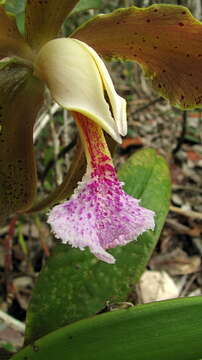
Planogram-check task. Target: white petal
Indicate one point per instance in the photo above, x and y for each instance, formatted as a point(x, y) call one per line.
point(74, 81)
point(117, 102)
point(122, 121)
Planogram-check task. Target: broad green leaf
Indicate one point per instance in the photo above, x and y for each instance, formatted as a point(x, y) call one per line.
point(21, 96)
point(146, 177)
point(44, 19)
point(73, 284)
point(164, 39)
point(84, 5)
point(11, 41)
point(66, 188)
point(167, 330)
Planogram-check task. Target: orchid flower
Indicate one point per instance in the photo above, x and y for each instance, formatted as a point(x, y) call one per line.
point(99, 215)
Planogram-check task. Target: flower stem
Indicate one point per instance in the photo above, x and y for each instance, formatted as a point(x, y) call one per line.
point(92, 137)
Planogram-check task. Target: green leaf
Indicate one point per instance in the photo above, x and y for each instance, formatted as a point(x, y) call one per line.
point(21, 96)
point(84, 5)
point(162, 331)
point(73, 284)
point(146, 177)
point(20, 22)
point(164, 39)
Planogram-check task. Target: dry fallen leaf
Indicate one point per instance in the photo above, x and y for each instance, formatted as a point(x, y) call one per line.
point(156, 286)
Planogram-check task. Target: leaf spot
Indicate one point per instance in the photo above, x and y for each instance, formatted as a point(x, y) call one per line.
point(34, 347)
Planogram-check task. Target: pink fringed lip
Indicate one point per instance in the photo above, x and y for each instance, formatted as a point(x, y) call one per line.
point(100, 215)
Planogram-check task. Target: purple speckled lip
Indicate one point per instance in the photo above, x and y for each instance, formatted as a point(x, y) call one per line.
point(99, 215)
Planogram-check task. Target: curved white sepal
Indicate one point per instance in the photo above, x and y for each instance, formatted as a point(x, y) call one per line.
point(118, 103)
point(74, 80)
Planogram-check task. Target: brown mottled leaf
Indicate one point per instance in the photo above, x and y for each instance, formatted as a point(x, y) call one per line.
point(21, 96)
point(164, 39)
point(11, 41)
point(44, 19)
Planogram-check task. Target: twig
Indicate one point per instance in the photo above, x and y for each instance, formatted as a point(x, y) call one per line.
point(126, 3)
point(144, 107)
point(43, 120)
point(62, 152)
point(183, 133)
point(42, 237)
point(3, 230)
point(188, 285)
point(8, 242)
point(187, 213)
point(66, 131)
point(67, 135)
point(186, 188)
point(8, 246)
point(13, 323)
point(182, 229)
point(56, 148)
